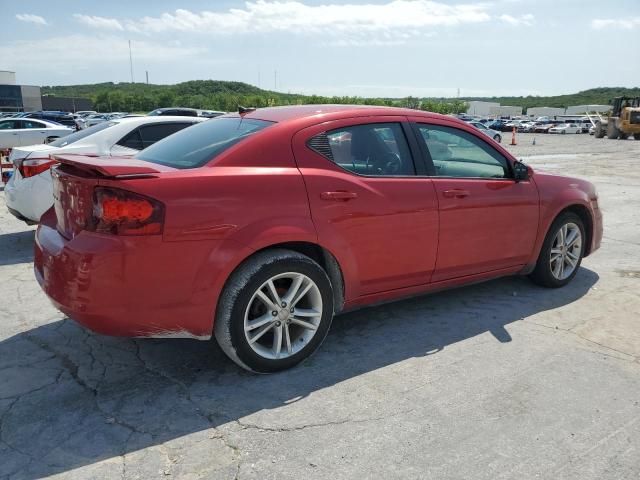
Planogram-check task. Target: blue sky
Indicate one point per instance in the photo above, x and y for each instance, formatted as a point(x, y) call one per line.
point(361, 47)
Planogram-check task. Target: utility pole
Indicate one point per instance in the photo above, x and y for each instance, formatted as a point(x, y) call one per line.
point(147, 72)
point(130, 61)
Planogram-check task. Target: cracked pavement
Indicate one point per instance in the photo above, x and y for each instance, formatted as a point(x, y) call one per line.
point(494, 381)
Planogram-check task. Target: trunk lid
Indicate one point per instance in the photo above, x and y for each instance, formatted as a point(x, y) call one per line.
point(75, 179)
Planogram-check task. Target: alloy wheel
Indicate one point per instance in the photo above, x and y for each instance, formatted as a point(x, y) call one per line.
point(283, 315)
point(565, 251)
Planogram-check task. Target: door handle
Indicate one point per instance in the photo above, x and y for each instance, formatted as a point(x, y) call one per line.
point(338, 195)
point(455, 193)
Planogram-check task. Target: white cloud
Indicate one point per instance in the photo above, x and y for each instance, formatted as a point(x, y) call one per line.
point(390, 23)
point(625, 23)
point(29, 18)
point(99, 22)
point(524, 20)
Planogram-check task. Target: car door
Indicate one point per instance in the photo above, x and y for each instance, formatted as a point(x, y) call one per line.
point(488, 221)
point(10, 133)
point(371, 207)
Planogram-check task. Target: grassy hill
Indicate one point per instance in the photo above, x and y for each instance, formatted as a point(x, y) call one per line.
point(223, 95)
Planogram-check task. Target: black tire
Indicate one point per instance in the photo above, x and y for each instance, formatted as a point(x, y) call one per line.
point(497, 138)
point(542, 274)
point(612, 131)
point(623, 136)
point(636, 136)
point(599, 131)
point(240, 288)
point(51, 139)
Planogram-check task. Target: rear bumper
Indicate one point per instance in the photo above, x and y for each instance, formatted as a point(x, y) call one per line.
point(29, 198)
point(133, 287)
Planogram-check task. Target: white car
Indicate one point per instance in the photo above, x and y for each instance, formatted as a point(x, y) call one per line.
point(487, 131)
point(566, 128)
point(29, 192)
point(16, 132)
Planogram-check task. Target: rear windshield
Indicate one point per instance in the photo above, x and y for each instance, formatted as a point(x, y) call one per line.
point(197, 145)
point(79, 135)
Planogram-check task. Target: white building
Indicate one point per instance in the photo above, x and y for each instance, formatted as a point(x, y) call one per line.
point(551, 112)
point(481, 109)
point(505, 111)
point(582, 109)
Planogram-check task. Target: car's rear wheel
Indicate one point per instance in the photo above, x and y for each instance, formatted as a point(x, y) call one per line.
point(275, 311)
point(561, 252)
point(51, 139)
point(497, 138)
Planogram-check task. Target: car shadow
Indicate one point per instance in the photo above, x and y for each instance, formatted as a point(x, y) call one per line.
point(70, 398)
point(16, 247)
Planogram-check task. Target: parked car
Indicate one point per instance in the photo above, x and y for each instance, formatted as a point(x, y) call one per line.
point(258, 228)
point(185, 112)
point(93, 119)
point(16, 132)
point(566, 128)
point(211, 113)
point(497, 125)
point(29, 191)
point(62, 118)
point(543, 127)
point(487, 131)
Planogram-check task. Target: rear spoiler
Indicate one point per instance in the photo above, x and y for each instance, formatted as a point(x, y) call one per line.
point(111, 167)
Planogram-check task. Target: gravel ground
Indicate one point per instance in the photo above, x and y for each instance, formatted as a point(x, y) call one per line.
point(495, 381)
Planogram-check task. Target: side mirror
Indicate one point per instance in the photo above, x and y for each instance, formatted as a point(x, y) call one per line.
point(521, 171)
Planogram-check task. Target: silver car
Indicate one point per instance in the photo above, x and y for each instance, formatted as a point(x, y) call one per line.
point(487, 131)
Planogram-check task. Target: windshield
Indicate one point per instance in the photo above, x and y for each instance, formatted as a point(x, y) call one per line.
point(196, 145)
point(74, 137)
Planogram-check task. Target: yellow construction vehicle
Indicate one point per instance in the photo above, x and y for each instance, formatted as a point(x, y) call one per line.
point(623, 119)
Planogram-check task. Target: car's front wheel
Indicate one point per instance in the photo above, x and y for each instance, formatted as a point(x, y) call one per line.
point(561, 252)
point(497, 138)
point(275, 311)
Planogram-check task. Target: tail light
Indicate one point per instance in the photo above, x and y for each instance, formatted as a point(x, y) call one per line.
point(119, 212)
point(30, 167)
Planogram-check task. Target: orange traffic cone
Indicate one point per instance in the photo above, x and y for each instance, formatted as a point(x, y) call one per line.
point(513, 136)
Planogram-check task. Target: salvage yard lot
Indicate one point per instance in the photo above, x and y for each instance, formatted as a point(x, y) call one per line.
point(498, 380)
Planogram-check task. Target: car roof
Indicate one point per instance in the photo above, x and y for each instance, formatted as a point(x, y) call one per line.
point(331, 112)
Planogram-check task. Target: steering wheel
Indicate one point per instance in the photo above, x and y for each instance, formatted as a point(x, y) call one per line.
point(389, 164)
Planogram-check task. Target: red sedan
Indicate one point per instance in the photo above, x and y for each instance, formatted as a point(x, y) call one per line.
point(258, 227)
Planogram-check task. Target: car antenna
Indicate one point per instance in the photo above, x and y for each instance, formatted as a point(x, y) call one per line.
point(244, 110)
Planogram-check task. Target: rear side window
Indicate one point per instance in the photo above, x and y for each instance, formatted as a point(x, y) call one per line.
point(195, 146)
point(153, 133)
point(132, 140)
point(79, 135)
point(375, 149)
point(32, 124)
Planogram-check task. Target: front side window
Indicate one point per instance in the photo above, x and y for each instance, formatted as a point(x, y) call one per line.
point(9, 125)
point(195, 146)
point(377, 149)
point(456, 153)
